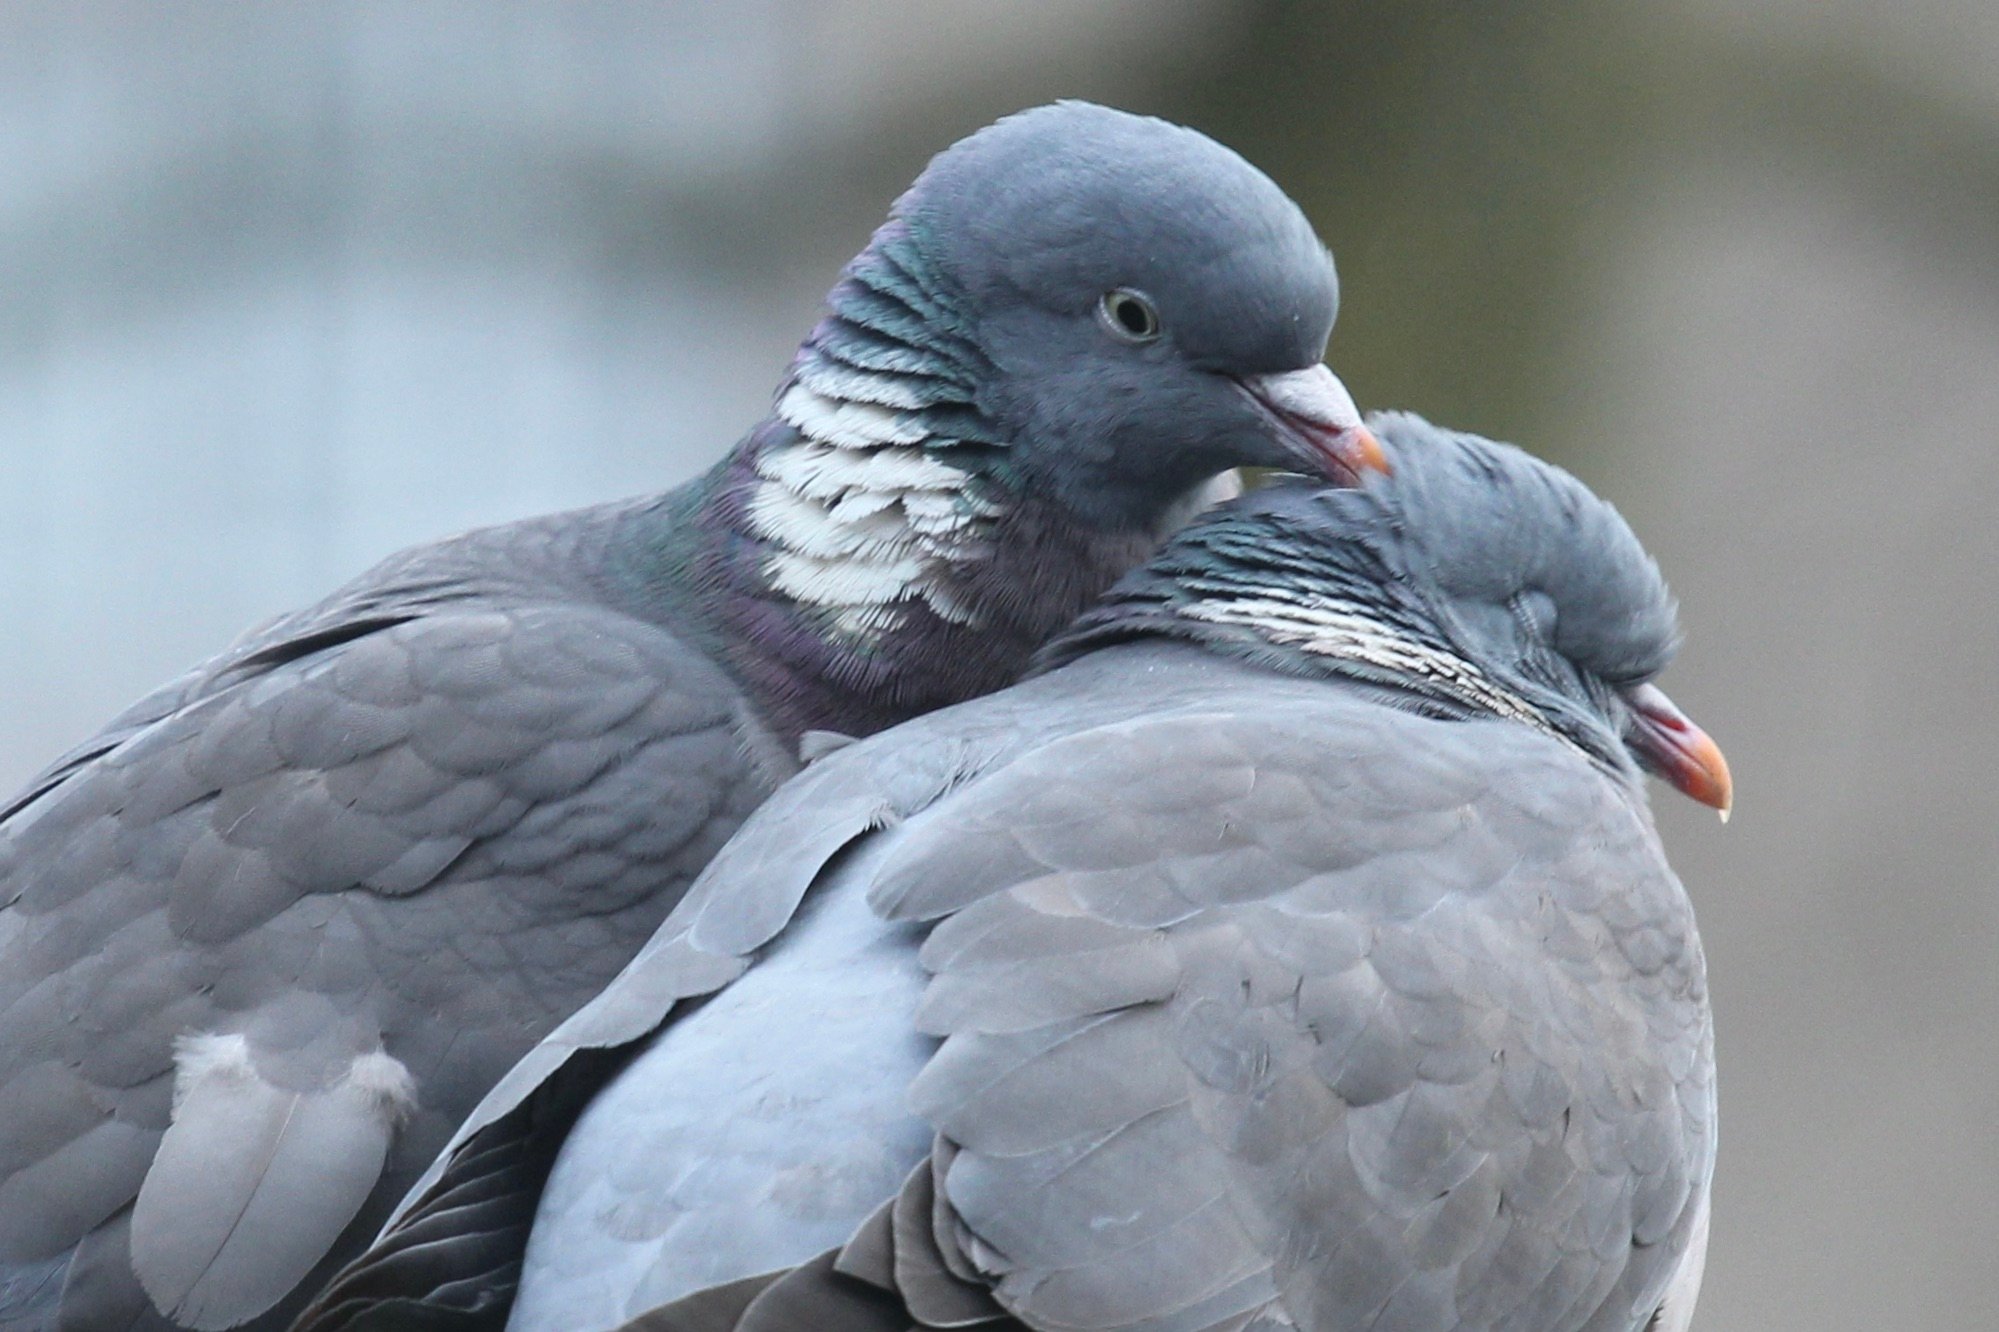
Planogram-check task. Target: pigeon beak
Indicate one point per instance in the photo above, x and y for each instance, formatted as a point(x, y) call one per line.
point(1668, 745)
point(1315, 415)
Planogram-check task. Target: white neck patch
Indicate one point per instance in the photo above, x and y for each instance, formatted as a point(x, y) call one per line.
point(863, 518)
point(1329, 627)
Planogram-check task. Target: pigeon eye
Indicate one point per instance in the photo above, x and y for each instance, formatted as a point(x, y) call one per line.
point(1128, 315)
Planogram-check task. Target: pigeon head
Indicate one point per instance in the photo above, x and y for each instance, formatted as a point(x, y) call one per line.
point(1476, 580)
point(1077, 308)
point(1071, 323)
point(1149, 307)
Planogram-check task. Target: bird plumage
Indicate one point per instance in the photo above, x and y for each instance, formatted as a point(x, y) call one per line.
point(1233, 972)
point(267, 937)
point(960, 428)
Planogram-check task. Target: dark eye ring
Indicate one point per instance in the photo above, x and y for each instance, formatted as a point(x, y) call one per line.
point(1128, 315)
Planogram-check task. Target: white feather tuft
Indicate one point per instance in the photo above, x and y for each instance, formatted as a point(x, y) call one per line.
point(224, 1057)
point(843, 383)
point(385, 1081)
point(847, 425)
point(202, 1056)
point(829, 473)
point(810, 527)
point(838, 582)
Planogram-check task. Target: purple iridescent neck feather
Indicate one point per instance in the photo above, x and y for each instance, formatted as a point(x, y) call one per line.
point(863, 555)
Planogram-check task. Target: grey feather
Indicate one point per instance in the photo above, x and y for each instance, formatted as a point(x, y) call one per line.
point(288, 855)
point(1257, 998)
point(251, 1185)
point(425, 819)
point(1141, 1167)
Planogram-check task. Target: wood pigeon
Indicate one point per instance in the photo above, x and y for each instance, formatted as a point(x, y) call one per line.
point(267, 937)
point(1294, 951)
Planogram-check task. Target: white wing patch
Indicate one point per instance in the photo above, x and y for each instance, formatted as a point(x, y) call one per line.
point(865, 519)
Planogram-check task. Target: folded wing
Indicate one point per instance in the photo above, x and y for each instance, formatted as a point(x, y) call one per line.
point(271, 938)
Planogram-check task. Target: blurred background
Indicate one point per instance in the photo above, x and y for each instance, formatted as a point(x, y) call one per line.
point(284, 287)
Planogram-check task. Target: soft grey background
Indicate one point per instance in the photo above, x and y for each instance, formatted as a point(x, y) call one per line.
point(283, 287)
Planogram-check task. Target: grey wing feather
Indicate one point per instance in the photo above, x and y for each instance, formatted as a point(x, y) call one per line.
point(891, 1277)
point(813, 1297)
point(1265, 1016)
point(1261, 1007)
point(474, 816)
point(453, 1253)
point(438, 1254)
point(678, 962)
point(1382, 1105)
point(250, 1186)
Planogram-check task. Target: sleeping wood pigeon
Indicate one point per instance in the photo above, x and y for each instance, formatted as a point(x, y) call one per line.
point(1295, 951)
point(267, 937)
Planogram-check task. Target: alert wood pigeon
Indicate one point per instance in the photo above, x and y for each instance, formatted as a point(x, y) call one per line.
point(268, 937)
point(1295, 951)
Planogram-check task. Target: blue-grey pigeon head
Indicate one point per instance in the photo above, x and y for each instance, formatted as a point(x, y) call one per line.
point(1123, 306)
point(1474, 580)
